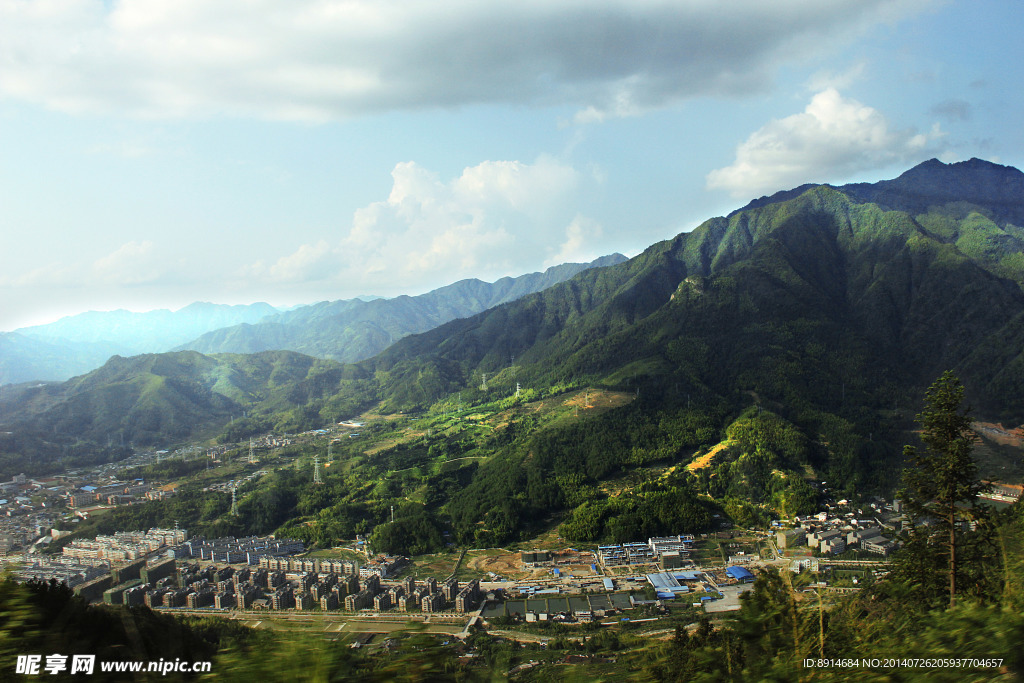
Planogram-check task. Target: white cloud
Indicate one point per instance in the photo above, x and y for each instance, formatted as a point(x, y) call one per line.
point(310, 262)
point(133, 263)
point(325, 59)
point(580, 236)
point(496, 218)
point(830, 140)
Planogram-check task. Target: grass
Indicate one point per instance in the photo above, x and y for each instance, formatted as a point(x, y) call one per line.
point(337, 553)
point(437, 565)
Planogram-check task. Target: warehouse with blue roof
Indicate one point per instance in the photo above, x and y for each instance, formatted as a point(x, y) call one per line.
point(740, 574)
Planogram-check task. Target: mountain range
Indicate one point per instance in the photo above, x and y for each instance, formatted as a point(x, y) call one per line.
point(353, 330)
point(347, 330)
point(831, 306)
point(77, 344)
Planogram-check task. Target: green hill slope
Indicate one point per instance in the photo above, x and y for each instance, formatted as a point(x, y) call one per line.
point(791, 299)
point(160, 399)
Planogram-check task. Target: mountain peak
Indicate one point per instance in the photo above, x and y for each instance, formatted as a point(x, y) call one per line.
point(933, 171)
point(992, 186)
point(986, 184)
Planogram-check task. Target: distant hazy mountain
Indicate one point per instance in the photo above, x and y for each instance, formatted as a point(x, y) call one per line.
point(150, 331)
point(354, 329)
point(24, 359)
point(76, 344)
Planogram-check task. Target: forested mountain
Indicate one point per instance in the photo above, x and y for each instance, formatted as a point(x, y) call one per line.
point(813, 298)
point(352, 330)
point(820, 307)
point(24, 358)
point(156, 399)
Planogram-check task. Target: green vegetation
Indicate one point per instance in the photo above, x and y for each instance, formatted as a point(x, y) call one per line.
point(790, 338)
point(721, 377)
point(941, 487)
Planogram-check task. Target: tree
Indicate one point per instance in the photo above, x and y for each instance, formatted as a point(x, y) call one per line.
point(941, 486)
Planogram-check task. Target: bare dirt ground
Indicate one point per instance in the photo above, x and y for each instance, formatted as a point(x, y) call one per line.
point(1001, 435)
point(599, 399)
point(705, 460)
point(505, 564)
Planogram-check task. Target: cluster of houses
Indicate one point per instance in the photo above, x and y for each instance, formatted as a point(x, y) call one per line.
point(231, 550)
point(123, 545)
point(145, 568)
point(834, 531)
point(162, 584)
point(113, 493)
point(30, 513)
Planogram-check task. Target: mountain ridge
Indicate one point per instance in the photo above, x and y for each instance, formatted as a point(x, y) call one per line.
point(77, 344)
point(351, 330)
point(831, 311)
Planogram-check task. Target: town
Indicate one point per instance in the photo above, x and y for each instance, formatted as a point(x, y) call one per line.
point(843, 546)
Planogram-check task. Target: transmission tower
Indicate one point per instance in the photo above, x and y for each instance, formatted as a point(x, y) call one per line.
point(252, 453)
point(234, 499)
point(517, 389)
point(316, 470)
point(483, 384)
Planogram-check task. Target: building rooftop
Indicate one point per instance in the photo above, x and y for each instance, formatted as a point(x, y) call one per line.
point(738, 573)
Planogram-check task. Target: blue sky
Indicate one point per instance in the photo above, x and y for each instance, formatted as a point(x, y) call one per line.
point(159, 152)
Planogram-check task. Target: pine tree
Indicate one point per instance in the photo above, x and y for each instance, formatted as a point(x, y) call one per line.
point(941, 485)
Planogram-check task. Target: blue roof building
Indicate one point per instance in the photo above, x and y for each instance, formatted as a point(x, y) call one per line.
point(740, 574)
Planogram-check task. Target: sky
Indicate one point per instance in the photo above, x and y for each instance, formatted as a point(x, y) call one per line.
point(154, 153)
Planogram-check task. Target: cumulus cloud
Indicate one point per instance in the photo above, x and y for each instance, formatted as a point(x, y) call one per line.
point(580, 236)
point(833, 138)
point(325, 59)
point(496, 218)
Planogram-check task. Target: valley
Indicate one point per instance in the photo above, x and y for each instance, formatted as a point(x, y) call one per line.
point(753, 389)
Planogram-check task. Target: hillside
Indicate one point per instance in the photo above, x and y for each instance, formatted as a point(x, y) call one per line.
point(352, 330)
point(161, 399)
point(819, 299)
